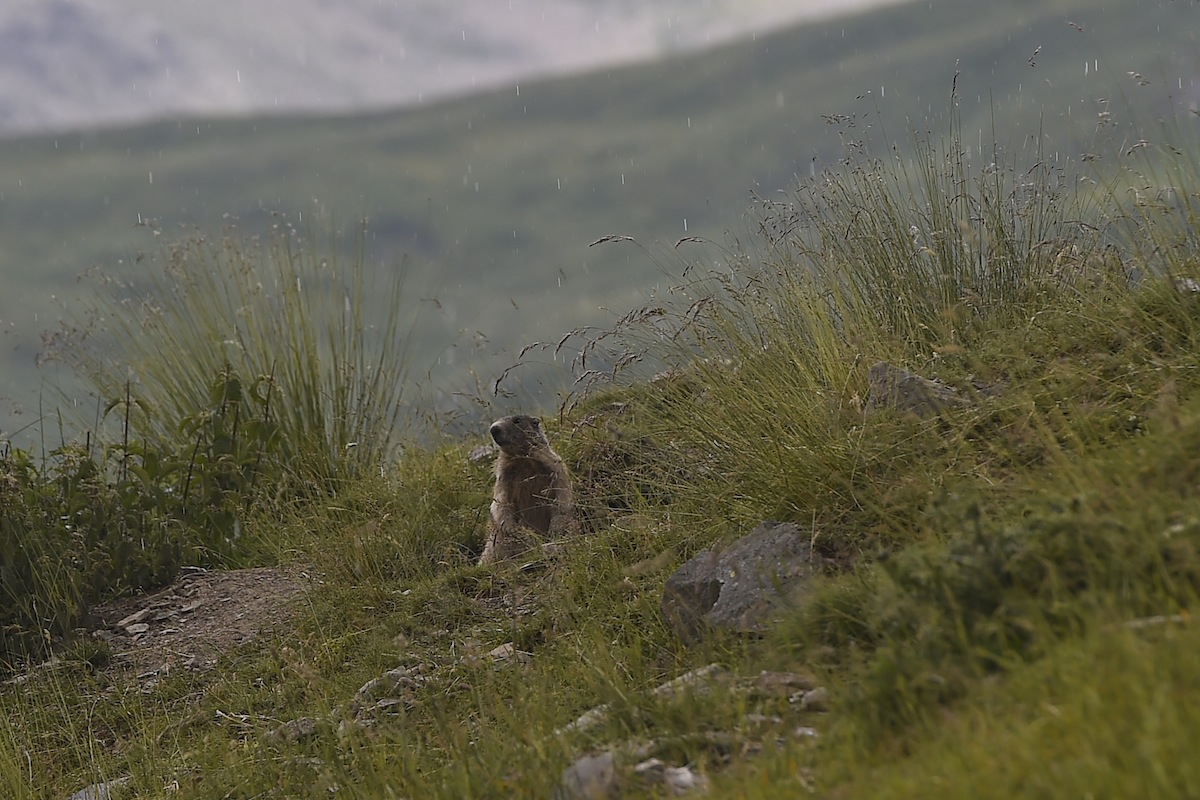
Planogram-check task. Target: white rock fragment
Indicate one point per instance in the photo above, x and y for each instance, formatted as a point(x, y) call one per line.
point(698, 680)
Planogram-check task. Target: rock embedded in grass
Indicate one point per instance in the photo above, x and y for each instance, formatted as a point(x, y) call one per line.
point(906, 392)
point(742, 587)
point(589, 778)
point(99, 791)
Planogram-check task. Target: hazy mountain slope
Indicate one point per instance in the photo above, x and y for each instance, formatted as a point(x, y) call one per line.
point(82, 63)
point(496, 197)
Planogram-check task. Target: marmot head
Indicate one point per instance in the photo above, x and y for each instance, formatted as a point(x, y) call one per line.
point(518, 435)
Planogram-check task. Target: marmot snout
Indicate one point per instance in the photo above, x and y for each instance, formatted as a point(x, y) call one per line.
point(517, 435)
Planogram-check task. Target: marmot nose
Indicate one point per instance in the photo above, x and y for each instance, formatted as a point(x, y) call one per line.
point(495, 432)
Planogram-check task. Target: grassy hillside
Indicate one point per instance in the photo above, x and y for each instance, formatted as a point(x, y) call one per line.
point(1006, 606)
point(494, 199)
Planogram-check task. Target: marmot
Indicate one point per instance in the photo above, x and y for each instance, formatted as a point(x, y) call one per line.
point(532, 493)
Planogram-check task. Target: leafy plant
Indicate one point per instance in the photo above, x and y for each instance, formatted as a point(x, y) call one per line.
point(92, 521)
point(243, 372)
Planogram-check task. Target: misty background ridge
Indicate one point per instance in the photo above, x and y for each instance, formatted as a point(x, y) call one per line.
point(83, 63)
point(491, 199)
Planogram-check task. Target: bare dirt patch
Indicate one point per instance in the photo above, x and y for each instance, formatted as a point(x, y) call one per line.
point(198, 617)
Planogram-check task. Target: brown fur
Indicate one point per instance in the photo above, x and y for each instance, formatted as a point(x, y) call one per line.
point(533, 493)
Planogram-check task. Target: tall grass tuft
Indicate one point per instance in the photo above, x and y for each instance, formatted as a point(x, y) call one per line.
point(278, 331)
point(914, 260)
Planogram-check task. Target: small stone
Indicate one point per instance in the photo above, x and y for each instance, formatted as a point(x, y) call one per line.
point(815, 700)
point(676, 780)
point(907, 392)
point(589, 778)
point(698, 680)
point(508, 652)
point(379, 686)
point(502, 653)
point(586, 721)
point(682, 780)
point(99, 791)
point(650, 768)
point(133, 618)
point(139, 628)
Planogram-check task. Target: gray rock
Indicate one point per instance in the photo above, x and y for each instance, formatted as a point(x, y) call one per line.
point(742, 587)
point(591, 718)
point(99, 791)
point(589, 778)
point(399, 678)
point(782, 682)
point(815, 699)
point(698, 681)
point(503, 652)
point(904, 391)
point(134, 618)
point(676, 781)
